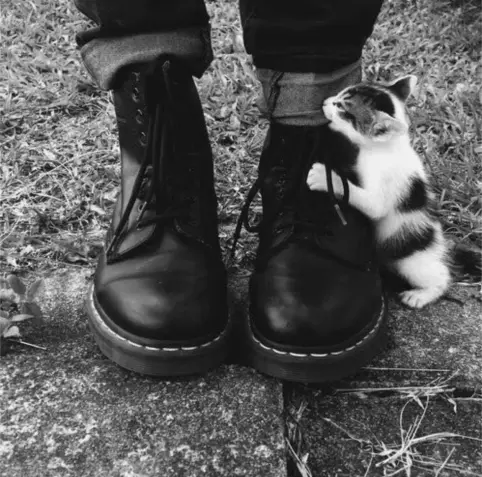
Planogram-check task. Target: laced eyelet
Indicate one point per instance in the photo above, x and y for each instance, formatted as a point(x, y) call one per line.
point(139, 117)
point(136, 94)
point(143, 139)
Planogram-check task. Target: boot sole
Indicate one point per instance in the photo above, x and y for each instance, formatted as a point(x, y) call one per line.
point(317, 367)
point(153, 361)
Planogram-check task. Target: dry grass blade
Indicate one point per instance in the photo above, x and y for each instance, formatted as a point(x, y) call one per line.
point(437, 387)
point(444, 463)
point(348, 433)
point(294, 438)
point(301, 462)
point(404, 456)
point(419, 370)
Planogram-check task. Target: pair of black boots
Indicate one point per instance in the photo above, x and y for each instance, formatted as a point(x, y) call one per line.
point(158, 305)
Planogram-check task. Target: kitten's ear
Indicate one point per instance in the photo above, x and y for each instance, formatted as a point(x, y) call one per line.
point(403, 87)
point(387, 126)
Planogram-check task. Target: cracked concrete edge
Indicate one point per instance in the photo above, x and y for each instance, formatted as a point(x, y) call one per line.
point(70, 360)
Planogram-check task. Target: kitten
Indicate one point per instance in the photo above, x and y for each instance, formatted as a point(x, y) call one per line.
point(388, 183)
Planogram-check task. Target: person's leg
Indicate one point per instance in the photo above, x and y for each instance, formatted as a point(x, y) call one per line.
point(128, 32)
point(317, 306)
point(306, 52)
point(157, 304)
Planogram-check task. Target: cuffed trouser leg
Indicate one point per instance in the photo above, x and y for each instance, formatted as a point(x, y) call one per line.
point(138, 31)
point(305, 51)
point(297, 98)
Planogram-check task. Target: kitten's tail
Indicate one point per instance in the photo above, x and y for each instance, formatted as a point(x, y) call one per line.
point(466, 260)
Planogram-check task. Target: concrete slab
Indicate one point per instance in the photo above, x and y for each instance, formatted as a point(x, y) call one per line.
point(344, 435)
point(69, 411)
point(444, 336)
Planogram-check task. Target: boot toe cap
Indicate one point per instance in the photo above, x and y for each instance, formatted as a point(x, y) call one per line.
point(187, 309)
point(314, 302)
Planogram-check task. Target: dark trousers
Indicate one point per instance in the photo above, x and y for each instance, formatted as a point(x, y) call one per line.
point(302, 36)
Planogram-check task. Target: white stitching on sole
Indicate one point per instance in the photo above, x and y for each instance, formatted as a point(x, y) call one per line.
point(137, 345)
point(325, 355)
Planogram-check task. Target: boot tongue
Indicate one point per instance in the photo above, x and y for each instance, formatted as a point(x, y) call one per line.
point(285, 203)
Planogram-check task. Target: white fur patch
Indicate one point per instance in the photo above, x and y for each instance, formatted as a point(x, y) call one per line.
point(427, 271)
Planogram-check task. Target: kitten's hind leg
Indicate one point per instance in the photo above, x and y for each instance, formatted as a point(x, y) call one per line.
point(428, 273)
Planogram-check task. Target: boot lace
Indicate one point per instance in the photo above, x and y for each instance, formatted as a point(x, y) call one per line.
point(159, 152)
point(291, 219)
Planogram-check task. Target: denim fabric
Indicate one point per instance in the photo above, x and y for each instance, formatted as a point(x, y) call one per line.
point(297, 98)
point(105, 57)
point(145, 15)
point(306, 36)
point(138, 31)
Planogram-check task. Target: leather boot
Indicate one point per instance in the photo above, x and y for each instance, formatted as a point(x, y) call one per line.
point(158, 302)
point(317, 309)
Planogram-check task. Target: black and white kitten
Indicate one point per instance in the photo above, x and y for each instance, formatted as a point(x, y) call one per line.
point(392, 187)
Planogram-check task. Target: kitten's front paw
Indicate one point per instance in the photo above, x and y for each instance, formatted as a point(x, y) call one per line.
point(316, 179)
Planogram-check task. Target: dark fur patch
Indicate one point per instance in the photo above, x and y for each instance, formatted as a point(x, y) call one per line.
point(375, 97)
point(467, 260)
point(342, 155)
point(416, 196)
point(405, 244)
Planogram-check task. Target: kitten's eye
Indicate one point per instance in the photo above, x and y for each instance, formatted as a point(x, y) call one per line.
point(348, 116)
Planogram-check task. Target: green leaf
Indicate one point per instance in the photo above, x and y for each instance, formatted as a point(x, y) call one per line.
point(12, 332)
point(16, 284)
point(4, 325)
point(21, 317)
point(30, 308)
point(34, 289)
point(3, 314)
point(9, 295)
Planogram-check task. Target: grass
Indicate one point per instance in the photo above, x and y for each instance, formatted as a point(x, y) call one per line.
point(58, 146)
point(412, 453)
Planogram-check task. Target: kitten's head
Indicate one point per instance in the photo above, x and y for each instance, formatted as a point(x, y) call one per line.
point(371, 112)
